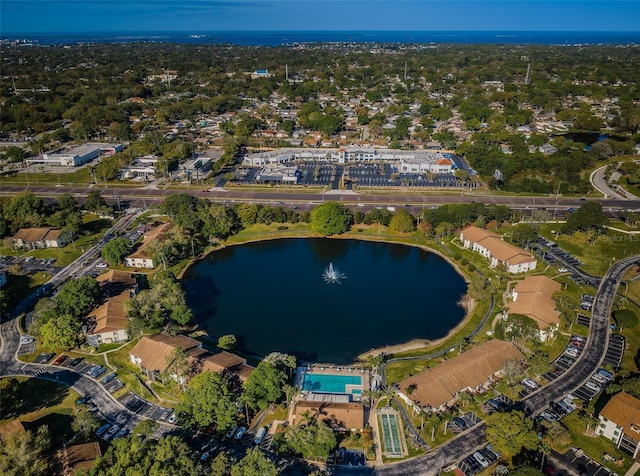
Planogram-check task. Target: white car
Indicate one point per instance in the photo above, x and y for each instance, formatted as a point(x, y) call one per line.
point(102, 264)
point(481, 459)
point(26, 340)
point(592, 386)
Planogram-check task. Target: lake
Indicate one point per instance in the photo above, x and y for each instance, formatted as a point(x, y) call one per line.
point(271, 295)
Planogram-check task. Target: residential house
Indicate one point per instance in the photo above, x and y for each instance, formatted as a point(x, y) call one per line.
point(472, 371)
point(619, 421)
point(152, 355)
point(107, 323)
point(34, 238)
point(142, 258)
point(533, 297)
point(496, 250)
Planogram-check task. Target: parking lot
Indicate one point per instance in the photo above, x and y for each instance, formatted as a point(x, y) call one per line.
point(479, 460)
point(464, 422)
point(575, 461)
point(615, 351)
point(142, 407)
point(29, 264)
point(321, 172)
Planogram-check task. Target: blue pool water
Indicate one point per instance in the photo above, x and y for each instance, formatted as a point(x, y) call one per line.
point(329, 383)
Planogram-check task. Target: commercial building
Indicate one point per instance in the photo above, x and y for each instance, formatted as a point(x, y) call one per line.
point(472, 371)
point(278, 173)
point(619, 421)
point(408, 161)
point(496, 250)
point(77, 155)
point(34, 238)
point(533, 298)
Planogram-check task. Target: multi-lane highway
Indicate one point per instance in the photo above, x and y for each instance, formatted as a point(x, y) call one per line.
point(416, 200)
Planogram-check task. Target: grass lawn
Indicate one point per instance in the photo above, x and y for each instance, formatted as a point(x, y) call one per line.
point(598, 256)
point(279, 413)
point(79, 177)
point(36, 402)
point(128, 373)
point(595, 447)
point(20, 286)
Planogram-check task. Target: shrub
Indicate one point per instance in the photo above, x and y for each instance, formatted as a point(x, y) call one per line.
point(464, 262)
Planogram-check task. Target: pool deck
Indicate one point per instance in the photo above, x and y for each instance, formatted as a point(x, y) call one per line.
point(334, 370)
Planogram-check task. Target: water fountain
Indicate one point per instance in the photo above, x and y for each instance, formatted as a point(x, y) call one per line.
point(331, 275)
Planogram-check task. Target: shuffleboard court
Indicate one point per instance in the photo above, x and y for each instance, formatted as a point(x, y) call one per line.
point(390, 434)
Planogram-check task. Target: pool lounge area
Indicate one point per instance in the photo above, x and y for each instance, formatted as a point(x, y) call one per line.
point(348, 381)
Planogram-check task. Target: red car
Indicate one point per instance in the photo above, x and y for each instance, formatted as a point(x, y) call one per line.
point(59, 360)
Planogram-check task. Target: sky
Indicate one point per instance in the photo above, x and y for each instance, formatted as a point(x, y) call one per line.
point(84, 16)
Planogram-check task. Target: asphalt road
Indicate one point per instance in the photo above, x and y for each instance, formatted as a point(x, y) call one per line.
point(137, 196)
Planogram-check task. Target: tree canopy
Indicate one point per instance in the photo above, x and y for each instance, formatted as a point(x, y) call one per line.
point(330, 218)
point(511, 432)
point(315, 440)
point(207, 400)
point(25, 453)
point(265, 385)
point(116, 251)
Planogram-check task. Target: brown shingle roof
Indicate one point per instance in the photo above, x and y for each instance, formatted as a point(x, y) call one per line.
point(117, 276)
point(222, 361)
point(538, 284)
point(154, 350)
point(438, 385)
point(112, 315)
point(31, 235)
point(538, 307)
point(624, 410)
point(338, 415)
point(503, 251)
point(159, 233)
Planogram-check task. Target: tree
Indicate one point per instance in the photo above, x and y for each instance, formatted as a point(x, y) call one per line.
point(402, 221)
point(78, 296)
point(330, 218)
point(60, 332)
point(67, 215)
point(625, 318)
point(314, 440)
point(519, 327)
point(254, 463)
point(218, 221)
point(588, 217)
point(221, 465)
point(265, 385)
point(116, 251)
point(85, 423)
point(510, 432)
point(95, 202)
point(227, 342)
point(539, 363)
point(146, 427)
point(25, 453)
point(208, 400)
point(523, 235)
point(178, 364)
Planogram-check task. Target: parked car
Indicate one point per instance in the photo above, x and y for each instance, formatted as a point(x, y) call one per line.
point(481, 459)
point(460, 423)
point(231, 432)
point(75, 361)
point(548, 416)
point(111, 432)
point(240, 433)
point(122, 432)
point(102, 429)
point(530, 384)
point(605, 373)
point(109, 378)
point(593, 386)
point(260, 435)
point(59, 360)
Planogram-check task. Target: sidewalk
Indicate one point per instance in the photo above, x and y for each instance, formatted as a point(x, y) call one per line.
point(633, 470)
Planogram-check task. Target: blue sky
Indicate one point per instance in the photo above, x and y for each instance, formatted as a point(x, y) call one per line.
point(80, 16)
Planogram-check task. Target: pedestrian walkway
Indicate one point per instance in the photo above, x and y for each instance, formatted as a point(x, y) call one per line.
point(633, 470)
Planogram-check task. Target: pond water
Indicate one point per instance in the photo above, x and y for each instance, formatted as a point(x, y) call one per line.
point(272, 296)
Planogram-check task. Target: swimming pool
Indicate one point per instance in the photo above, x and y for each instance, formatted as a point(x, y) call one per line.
point(329, 383)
